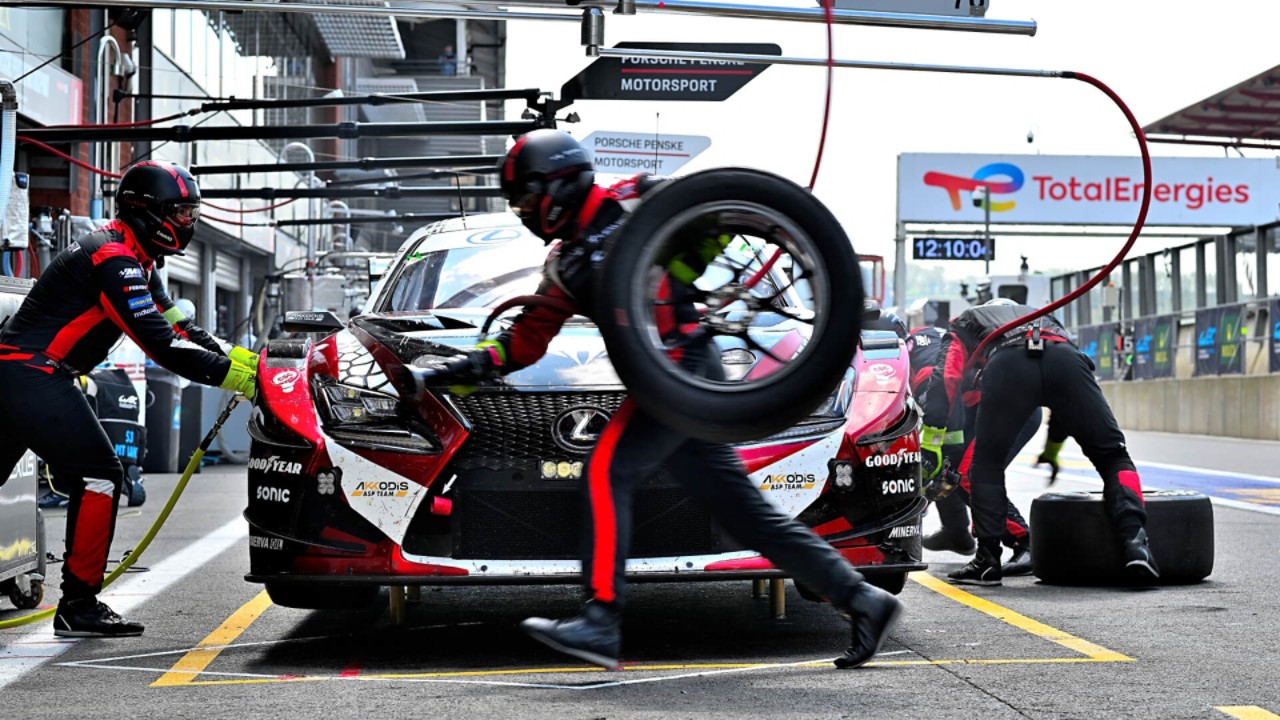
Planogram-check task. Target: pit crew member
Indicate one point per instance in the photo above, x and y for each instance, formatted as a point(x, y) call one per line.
point(100, 287)
point(1034, 365)
point(549, 182)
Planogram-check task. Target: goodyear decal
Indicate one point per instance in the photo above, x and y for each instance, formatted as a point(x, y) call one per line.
point(141, 301)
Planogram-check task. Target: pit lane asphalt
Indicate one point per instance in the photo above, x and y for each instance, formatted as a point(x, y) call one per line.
point(1023, 650)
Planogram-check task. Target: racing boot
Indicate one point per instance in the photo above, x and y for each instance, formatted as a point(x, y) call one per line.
point(89, 617)
point(1139, 563)
point(1019, 564)
point(872, 612)
point(594, 635)
point(983, 569)
point(957, 541)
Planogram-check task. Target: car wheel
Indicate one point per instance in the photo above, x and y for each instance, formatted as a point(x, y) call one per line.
point(1074, 543)
point(791, 233)
point(320, 596)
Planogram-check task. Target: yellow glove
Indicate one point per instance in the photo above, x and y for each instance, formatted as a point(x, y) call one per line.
point(931, 440)
point(241, 379)
point(244, 356)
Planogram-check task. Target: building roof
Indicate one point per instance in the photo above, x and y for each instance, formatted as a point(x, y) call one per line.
point(1247, 113)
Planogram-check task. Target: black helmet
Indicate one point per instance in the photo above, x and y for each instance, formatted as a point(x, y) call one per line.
point(546, 178)
point(160, 202)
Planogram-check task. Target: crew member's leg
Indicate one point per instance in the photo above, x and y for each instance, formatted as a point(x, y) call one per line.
point(1075, 399)
point(1010, 393)
point(713, 474)
point(58, 425)
point(631, 448)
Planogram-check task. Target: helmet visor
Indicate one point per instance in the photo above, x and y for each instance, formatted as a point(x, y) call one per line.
point(183, 214)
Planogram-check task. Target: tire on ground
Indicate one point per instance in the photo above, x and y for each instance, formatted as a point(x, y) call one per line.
point(1074, 543)
point(745, 412)
point(322, 596)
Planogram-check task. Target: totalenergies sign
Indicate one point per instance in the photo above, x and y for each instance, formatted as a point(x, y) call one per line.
point(1086, 190)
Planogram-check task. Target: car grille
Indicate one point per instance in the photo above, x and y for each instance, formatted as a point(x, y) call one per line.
point(547, 524)
point(504, 510)
point(512, 428)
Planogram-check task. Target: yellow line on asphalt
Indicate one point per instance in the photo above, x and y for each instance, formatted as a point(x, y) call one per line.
point(636, 668)
point(1248, 712)
point(196, 661)
point(1022, 622)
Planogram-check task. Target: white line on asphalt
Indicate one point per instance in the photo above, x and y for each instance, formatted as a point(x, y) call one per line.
point(1089, 477)
point(123, 597)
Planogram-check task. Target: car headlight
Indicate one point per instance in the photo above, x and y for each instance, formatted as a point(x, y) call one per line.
point(837, 405)
point(348, 405)
point(737, 363)
point(368, 419)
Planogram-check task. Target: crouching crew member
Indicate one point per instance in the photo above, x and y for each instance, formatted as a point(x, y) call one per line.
point(1035, 365)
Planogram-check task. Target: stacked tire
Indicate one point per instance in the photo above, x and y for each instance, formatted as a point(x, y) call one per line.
point(1074, 543)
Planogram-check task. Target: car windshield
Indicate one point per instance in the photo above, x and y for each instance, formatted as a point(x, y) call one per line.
point(468, 277)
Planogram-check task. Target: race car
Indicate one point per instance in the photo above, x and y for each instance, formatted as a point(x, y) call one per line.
point(355, 484)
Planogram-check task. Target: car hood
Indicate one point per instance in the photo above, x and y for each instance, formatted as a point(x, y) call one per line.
point(576, 358)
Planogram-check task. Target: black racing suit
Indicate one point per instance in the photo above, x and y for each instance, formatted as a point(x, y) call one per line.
point(925, 346)
point(634, 445)
point(100, 287)
point(1014, 381)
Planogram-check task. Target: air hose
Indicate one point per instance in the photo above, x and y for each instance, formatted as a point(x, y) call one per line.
point(142, 545)
point(1133, 236)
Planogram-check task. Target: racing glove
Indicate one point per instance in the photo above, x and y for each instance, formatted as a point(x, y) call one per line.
point(241, 379)
point(688, 266)
point(931, 440)
point(244, 356)
point(1050, 457)
point(460, 374)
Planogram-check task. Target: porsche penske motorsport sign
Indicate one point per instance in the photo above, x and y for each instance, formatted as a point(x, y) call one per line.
point(625, 152)
point(629, 78)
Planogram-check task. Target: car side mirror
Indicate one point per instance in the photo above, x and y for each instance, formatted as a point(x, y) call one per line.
point(311, 322)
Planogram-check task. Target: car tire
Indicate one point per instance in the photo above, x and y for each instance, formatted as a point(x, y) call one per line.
point(320, 596)
point(742, 412)
point(1073, 541)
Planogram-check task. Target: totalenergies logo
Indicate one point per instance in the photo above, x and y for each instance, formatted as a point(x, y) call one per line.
point(955, 184)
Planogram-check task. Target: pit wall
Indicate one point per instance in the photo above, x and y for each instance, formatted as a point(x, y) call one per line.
point(1242, 406)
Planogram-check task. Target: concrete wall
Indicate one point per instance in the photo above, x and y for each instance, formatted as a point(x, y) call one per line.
point(1243, 406)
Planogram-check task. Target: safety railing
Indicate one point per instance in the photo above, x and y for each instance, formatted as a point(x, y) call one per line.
point(1234, 339)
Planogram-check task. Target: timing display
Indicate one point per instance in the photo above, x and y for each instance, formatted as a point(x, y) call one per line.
point(966, 248)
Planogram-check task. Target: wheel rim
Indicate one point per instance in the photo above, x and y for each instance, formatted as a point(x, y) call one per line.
point(763, 301)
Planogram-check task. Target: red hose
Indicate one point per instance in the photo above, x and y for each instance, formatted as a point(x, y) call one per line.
point(18, 263)
point(1119, 258)
point(237, 222)
point(35, 261)
point(68, 158)
point(822, 136)
point(135, 123)
point(826, 108)
point(250, 210)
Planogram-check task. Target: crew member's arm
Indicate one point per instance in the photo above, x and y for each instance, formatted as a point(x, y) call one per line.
point(1053, 446)
point(520, 346)
point(945, 383)
point(187, 328)
point(126, 299)
point(944, 393)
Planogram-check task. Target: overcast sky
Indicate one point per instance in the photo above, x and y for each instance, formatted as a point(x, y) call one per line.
point(1159, 55)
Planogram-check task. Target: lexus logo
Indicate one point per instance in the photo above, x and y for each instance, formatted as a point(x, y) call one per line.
point(578, 429)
